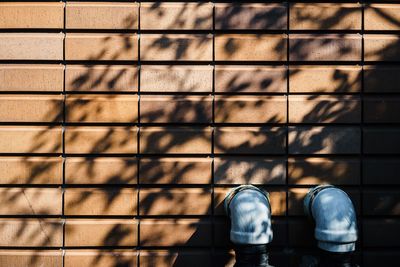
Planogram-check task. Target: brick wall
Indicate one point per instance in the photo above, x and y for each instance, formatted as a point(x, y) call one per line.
point(123, 124)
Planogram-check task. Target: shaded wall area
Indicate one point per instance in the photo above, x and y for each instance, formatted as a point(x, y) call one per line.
point(123, 124)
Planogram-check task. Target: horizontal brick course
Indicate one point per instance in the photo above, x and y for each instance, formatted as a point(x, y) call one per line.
point(325, 79)
point(381, 171)
point(324, 140)
point(325, 16)
point(180, 47)
point(100, 170)
point(324, 109)
point(337, 171)
point(382, 202)
point(100, 139)
point(380, 233)
point(30, 139)
point(381, 140)
point(249, 140)
point(169, 140)
point(175, 109)
point(250, 109)
point(97, 78)
point(31, 46)
point(97, 201)
point(99, 258)
point(192, 232)
point(31, 170)
point(31, 108)
point(30, 201)
point(31, 78)
point(379, 47)
point(382, 17)
point(32, 15)
point(24, 258)
point(96, 46)
point(250, 79)
point(381, 79)
point(106, 15)
point(190, 78)
point(329, 47)
point(236, 170)
point(176, 16)
point(381, 109)
point(250, 47)
point(255, 16)
point(100, 232)
point(174, 201)
point(101, 108)
point(165, 258)
point(175, 171)
point(31, 232)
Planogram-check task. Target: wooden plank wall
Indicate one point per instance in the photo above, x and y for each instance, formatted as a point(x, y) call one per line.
point(123, 124)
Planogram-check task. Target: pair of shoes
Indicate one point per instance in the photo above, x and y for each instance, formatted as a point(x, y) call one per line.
point(251, 256)
point(328, 259)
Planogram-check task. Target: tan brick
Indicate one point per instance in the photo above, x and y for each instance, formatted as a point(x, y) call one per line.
point(324, 140)
point(97, 78)
point(102, 108)
point(101, 171)
point(250, 109)
point(175, 140)
point(101, 46)
point(297, 195)
point(38, 232)
point(98, 201)
point(30, 139)
point(32, 15)
point(382, 202)
point(30, 201)
point(381, 140)
point(192, 232)
point(106, 15)
point(381, 109)
point(382, 17)
point(277, 200)
point(31, 46)
point(382, 171)
point(174, 201)
point(380, 233)
point(250, 140)
point(329, 47)
point(325, 16)
point(381, 47)
point(175, 109)
point(250, 79)
point(98, 139)
point(100, 232)
point(100, 258)
point(255, 16)
point(324, 109)
point(176, 78)
point(250, 47)
point(31, 108)
point(325, 79)
point(175, 171)
point(32, 78)
point(315, 171)
point(25, 257)
point(166, 258)
point(381, 79)
point(251, 170)
point(176, 16)
point(161, 47)
point(30, 170)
